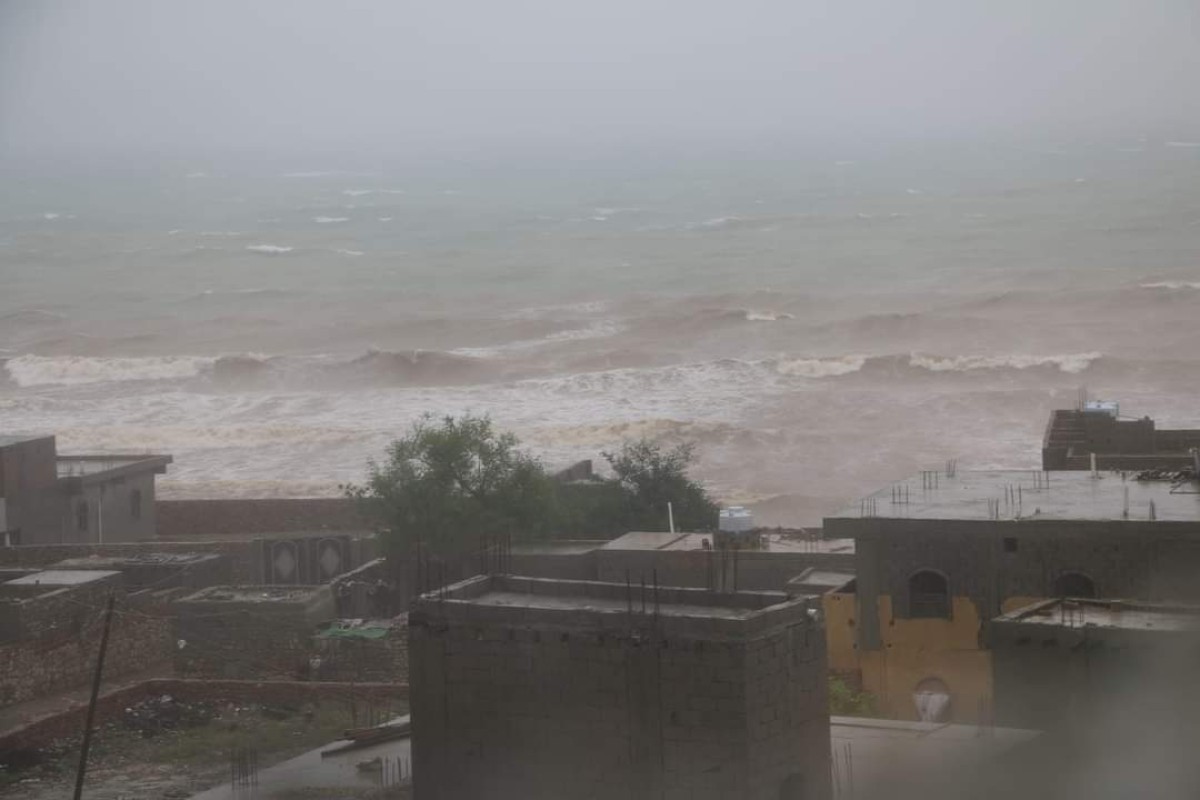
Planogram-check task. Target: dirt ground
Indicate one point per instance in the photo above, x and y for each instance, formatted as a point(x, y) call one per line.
point(162, 749)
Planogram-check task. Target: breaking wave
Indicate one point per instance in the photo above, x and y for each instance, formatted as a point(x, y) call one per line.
point(269, 249)
point(1173, 285)
point(29, 371)
point(1072, 364)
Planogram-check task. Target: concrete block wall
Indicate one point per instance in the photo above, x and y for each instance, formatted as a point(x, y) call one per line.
point(260, 632)
point(528, 704)
point(382, 660)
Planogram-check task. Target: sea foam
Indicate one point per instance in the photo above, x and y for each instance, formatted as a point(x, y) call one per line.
point(29, 371)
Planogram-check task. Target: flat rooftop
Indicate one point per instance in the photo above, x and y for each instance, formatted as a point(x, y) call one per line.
point(774, 543)
point(1029, 495)
point(6, 440)
point(252, 594)
point(518, 600)
point(89, 466)
point(62, 577)
point(1115, 614)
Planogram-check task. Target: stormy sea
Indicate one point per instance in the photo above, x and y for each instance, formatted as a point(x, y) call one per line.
point(818, 321)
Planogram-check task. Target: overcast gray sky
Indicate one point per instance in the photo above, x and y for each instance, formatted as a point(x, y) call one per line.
point(412, 75)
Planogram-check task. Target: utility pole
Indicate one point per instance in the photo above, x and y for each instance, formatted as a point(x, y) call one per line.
point(91, 712)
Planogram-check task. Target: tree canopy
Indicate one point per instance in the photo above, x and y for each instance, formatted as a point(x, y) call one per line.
point(449, 482)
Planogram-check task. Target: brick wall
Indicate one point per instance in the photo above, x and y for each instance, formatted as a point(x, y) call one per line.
point(185, 519)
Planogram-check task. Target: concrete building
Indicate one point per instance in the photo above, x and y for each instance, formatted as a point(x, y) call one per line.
point(533, 688)
point(46, 498)
point(1068, 661)
point(1073, 437)
point(939, 555)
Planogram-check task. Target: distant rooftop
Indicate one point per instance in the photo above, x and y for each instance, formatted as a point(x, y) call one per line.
point(6, 440)
point(774, 542)
point(62, 577)
point(1029, 495)
point(91, 467)
point(1073, 613)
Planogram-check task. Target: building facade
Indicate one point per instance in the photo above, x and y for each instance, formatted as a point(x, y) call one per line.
point(939, 556)
point(534, 688)
point(46, 498)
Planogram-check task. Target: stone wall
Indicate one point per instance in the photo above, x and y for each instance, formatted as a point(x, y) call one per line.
point(64, 657)
point(190, 519)
point(553, 704)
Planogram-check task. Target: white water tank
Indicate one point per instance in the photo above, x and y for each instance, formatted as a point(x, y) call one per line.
point(1110, 407)
point(736, 519)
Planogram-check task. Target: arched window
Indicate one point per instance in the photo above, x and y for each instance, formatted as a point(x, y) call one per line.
point(1074, 584)
point(135, 504)
point(928, 595)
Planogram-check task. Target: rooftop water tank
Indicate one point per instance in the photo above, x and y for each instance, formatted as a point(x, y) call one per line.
point(736, 519)
point(1110, 407)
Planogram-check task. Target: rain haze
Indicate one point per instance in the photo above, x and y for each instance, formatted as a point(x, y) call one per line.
point(416, 78)
point(824, 245)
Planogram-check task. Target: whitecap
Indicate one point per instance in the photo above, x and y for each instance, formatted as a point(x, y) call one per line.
point(356, 192)
point(270, 249)
point(346, 252)
point(30, 371)
point(820, 367)
point(913, 191)
point(51, 215)
point(1072, 363)
point(330, 220)
point(1174, 285)
point(765, 316)
point(386, 219)
point(312, 174)
point(1183, 144)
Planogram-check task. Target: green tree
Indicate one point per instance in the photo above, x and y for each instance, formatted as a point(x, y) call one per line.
point(452, 481)
point(651, 476)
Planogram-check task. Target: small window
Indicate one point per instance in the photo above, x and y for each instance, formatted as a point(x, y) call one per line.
point(1010, 544)
point(81, 515)
point(928, 595)
point(1074, 584)
point(135, 504)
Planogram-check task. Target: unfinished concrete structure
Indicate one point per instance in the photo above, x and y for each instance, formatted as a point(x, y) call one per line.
point(250, 631)
point(532, 688)
point(939, 555)
point(46, 498)
point(1058, 662)
point(1074, 437)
